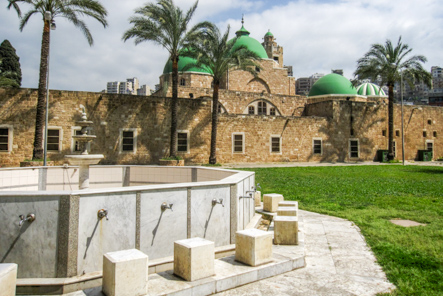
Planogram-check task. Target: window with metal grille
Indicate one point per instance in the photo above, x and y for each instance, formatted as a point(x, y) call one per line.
point(53, 143)
point(127, 141)
point(77, 143)
point(317, 147)
point(237, 143)
point(182, 142)
point(429, 146)
point(251, 110)
point(4, 139)
point(262, 108)
point(353, 148)
point(272, 111)
point(275, 144)
point(182, 82)
point(394, 146)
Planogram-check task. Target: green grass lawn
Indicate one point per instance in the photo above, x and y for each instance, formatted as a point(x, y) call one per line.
point(370, 196)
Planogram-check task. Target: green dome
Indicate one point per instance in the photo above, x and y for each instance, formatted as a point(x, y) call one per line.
point(250, 43)
point(332, 84)
point(269, 34)
point(370, 89)
point(182, 63)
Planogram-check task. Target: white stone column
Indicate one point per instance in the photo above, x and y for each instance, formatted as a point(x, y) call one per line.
point(83, 177)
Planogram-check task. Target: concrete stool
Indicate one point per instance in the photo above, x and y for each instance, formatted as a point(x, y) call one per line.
point(253, 246)
point(8, 279)
point(287, 211)
point(288, 203)
point(286, 230)
point(194, 258)
point(257, 199)
point(125, 273)
point(270, 201)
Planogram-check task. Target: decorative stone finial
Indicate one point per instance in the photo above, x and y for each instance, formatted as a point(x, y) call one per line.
point(242, 19)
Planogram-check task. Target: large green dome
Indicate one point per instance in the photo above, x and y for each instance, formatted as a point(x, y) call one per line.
point(332, 84)
point(250, 43)
point(370, 89)
point(182, 63)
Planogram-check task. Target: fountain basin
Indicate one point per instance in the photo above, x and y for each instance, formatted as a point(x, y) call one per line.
point(88, 159)
point(67, 237)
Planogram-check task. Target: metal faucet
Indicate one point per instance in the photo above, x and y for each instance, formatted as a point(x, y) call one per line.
point(220, 201)
point(247, 196)
point(165, 206)
point(29, 217)
point(102, 214)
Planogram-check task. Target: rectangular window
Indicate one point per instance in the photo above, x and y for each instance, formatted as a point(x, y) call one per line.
point(182, 142)
point(394, 145)
point(272, 111)
point(353, 149)
point(397, 133)
point(383, 133)
point(128, 140)
point(261, 110)
point(425, 134)
point(54, 136)
point(4, 139)
point(430, 146)
point(238, 143)
point(317, 146)
point(76, 145)
point(275, 145)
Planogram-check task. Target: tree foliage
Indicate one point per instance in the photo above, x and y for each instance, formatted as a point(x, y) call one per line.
point(390, 64)
point(10, 72)
point(167, 25)
point(71, 10)
point(213, 51)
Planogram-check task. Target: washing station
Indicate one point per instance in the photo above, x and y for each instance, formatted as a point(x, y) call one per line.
point(57, 234)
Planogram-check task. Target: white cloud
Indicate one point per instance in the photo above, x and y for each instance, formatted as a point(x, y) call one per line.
point(317, 36)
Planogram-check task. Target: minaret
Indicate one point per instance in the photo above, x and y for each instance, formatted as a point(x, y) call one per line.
point(274, 51)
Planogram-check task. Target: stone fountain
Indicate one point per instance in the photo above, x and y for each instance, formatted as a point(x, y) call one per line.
point(84, 160)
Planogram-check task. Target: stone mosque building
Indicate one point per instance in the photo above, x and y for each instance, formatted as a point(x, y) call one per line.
point(261, 119)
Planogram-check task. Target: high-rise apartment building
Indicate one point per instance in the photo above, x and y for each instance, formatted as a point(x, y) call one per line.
point(128, 87)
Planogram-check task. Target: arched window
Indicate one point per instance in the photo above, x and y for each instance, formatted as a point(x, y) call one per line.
point(261, 108)
point(182, 82)
point(251, 110)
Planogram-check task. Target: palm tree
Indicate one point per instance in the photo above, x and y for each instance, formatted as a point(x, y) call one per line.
point(165, 24)
point(49, 9)
point(214, 52)
point(388, 63)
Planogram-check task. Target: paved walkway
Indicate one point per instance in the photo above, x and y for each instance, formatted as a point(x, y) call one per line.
point(338, 262)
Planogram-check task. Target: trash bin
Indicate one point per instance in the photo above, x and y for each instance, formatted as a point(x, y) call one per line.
point(382, 155)
point(424, 155)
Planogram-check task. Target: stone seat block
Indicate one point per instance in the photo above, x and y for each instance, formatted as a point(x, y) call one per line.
point(194, 258)
point(257, 199)
point(286, 230)
point(288, 203)
point(125, 273)
point(253, 247)
point(270, 201)
point(8, 279)
point(287, 211)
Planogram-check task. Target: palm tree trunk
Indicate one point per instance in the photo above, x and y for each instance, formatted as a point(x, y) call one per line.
point(173, 143)
point(212, 155)
point(40, 114)
point(391, 153)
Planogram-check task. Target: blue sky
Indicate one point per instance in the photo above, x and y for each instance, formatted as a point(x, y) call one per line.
point(317, 36)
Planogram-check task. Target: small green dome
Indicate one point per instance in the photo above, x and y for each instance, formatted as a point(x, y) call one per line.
point(332, 84)
point(250, 43)
point(269, 34)
point(182, 63)
point(370, 89)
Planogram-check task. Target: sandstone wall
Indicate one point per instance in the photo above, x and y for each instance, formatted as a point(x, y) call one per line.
point(333, 122)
